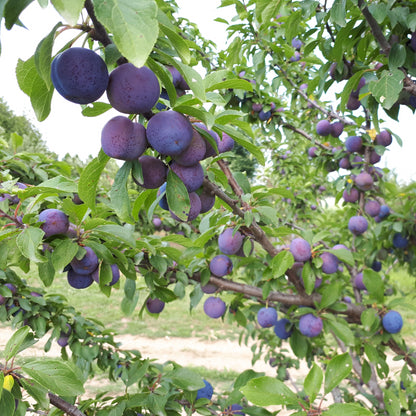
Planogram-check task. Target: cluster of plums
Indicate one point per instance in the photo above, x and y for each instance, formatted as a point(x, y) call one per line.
point(81, 76)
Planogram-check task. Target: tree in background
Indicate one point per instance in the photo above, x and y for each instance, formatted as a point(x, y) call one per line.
point(268, 254)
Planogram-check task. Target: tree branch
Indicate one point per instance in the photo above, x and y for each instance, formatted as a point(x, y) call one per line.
point(375, 28)
point(66, 407)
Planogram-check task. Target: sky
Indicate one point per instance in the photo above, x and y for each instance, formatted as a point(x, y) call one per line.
point(67, 131)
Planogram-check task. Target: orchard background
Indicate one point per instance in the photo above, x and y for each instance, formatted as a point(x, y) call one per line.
point(243, 180)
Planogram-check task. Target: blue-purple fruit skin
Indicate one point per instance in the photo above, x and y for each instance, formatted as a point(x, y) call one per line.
point(323, 128)
point(312, 151)
point(214, 307)
point(195, 208)
point(256, 107)
point(399, 241)
point(87, 264)
point(353, 103)
point(296, 57)
point(79, 281)
point(169, 132)
point(351, 195)
point(264, 115)
point(384, 211)
point(64, 336)
point(115, 272)
point(267, 317)
point(54, 222)
point(191, 176)
point(310, 325)
point(357, 224)
point(337, 128)
point(300, 249)
point(344, 163)
point(354, 144)
point(163, 203)
point(234, 409)
point(372, 208)
point(330, 263)
point(13, 199)
point(383, 138)
point(226, 143)
point(155, 305)
point(296, 43)
point(194, 153)
point(133, 90)
point(79, 75)
point(209, 288)
point(358, 281)
point(221, 265)
point(280, 328)
point(392, 322)
point(154, 172)
point(11, 287)
point(364, 181)
point(230, 242)
point(210, 151)
point(122, 139)
point(376, 265)
point(207, 200)
point(205, 392)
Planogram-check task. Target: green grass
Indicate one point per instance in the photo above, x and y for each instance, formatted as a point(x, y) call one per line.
point(175, 320)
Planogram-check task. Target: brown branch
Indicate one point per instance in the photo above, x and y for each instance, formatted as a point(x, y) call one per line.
point(410, 359)
point(306, 135)
point(375, 28)
point(66, 407)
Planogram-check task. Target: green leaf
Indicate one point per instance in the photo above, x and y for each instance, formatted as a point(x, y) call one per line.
point(69, 10)
point(14, 343)
point(374, 284)
point(338, 12)
point(267, 9)
point(282, 262)
point(63, 253)
point(338, 368)
point(242, 140)
point(39, 393)
point(12, 10)
point(387, 89)
point(237, 83)
point(178, 42)
point(32, 84)
point(347, 409)
point(134, 26)
point(343, 255)
point(186, 379)
point(87, 186)
point(177, 196)
point(17, 140)
point(392, 403)
point(349, 86)
point(43, 56)
point(308, 277)
point(330, 294)
point(268, 391)
point(46, 272)
point(341, 329)
point(57, 184)
point(397, 56)
point(28, 242)
point(313, 382)
point(55, 375)
point(95, 109)
point(117, 232)
point(7, 405)
point(119, 196)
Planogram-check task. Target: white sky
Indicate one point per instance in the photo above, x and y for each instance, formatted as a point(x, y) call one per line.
point(67, 131)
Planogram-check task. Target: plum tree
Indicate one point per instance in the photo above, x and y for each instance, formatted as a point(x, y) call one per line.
point(267, 317)
point(265, 151)
point(123, 139)
point(169, 132)
point(54, 221)
point(133, 90)
point(79, 75)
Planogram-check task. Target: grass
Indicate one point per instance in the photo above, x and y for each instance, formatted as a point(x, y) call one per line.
point(174, 321)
